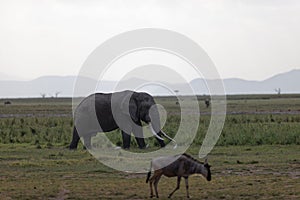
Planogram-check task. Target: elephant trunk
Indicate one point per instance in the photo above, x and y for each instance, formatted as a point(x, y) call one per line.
point(154, 119)
point(156, 128)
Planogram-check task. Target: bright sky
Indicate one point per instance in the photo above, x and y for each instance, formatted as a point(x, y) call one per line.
point(249, 39)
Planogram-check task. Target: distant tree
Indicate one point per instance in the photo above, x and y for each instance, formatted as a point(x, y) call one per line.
point(43, 95)
point(278, 91)
point(56, 94)
point(176, 91)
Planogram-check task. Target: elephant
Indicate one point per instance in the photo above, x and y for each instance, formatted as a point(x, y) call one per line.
point(104, 112)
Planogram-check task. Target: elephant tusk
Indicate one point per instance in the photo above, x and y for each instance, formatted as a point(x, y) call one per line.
point(168, 136)
point(154, 133)
point(169, 139)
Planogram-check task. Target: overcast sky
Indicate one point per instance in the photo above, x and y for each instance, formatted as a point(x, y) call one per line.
point(249, 39)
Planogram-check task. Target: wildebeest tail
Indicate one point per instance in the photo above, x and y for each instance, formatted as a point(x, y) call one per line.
point(149, 173)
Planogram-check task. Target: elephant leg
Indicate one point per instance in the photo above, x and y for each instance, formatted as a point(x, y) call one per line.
point(75, 139)
point(161, 142)
point(139, 136)
point(87, 141)
point(141, 142)
point(126, 140)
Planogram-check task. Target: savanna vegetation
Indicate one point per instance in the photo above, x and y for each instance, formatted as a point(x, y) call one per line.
point(265, 120)
point(257, 154)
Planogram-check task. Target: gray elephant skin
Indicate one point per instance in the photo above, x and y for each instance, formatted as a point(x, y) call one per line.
point(104, 112)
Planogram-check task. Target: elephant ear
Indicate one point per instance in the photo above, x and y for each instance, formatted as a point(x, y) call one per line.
point(129, 107)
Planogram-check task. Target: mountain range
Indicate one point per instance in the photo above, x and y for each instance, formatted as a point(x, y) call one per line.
point(51, 86)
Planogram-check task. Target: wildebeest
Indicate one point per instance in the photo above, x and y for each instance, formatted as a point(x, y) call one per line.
point(207, 103)
point(7, 102)
point(183, 166)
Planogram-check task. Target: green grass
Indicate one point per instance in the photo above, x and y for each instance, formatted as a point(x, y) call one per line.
point(238, 172)
point(250, 129)
point(36, 130)
point(251, 120)
point(257, 154)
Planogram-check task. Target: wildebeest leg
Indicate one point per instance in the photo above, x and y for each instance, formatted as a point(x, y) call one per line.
point(138, 134)
point(75, 139)
point(126, 140)
point(177, 187)
point(150, 184)
point(187, 186)
point(156, 183)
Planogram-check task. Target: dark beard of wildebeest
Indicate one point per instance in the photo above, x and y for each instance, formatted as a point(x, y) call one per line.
point(103, 103)
point(181, 166)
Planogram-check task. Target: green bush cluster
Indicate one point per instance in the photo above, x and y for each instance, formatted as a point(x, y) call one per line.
point(249, 129)
point(52, 130)
point(258, 130)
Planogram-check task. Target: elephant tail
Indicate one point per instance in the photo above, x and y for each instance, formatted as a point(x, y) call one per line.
point(149, 173)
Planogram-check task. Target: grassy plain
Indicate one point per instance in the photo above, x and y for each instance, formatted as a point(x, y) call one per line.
point(256, 157)
point(238, 172)
point(266, 119)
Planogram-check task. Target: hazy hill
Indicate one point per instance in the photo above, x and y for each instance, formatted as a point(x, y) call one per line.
point(289, 82)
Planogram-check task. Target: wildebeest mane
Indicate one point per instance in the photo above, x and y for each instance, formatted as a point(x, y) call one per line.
point(190, 157)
